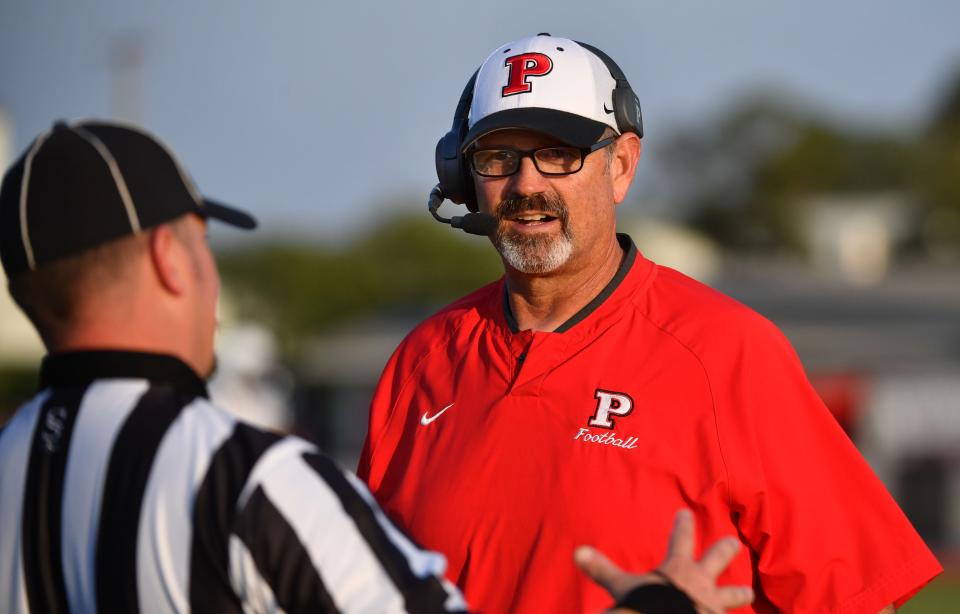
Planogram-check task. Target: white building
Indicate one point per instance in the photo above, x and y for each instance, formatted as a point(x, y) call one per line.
point(19, 344)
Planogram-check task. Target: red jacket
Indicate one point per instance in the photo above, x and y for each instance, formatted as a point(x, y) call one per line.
point(505, 450)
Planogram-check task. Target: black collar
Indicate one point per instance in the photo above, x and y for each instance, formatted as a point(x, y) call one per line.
point(81, 368)
point(629, 256)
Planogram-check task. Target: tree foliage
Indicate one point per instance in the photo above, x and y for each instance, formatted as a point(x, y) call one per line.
point(939, 170)
point(408, 264)
point(744, 177)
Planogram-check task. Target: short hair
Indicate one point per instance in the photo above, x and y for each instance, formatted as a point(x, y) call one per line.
point(51, 294)
point(609, 133)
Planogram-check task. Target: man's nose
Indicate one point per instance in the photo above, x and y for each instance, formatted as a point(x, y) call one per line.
point(527, 180)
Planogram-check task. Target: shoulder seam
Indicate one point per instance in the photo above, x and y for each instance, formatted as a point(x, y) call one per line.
point(713, 400)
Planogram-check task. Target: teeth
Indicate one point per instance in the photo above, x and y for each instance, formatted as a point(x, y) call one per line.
point(532, 217)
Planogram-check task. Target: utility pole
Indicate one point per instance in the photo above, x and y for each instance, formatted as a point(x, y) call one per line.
point(126, 70)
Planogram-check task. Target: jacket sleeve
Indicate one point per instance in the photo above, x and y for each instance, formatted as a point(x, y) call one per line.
point(827, 534)
point(384, 398)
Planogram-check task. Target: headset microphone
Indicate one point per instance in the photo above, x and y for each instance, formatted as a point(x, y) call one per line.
point(474, 223)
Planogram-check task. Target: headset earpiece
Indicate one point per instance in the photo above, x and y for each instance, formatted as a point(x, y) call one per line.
point(449, 171)
point(626, 108)
point(453, 173)
point(626, 105)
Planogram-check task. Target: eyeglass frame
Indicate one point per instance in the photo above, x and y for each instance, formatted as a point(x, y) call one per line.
point(531, 153)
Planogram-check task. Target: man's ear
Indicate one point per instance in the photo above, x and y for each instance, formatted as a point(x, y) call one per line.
point(166, 256)
point(624, 164)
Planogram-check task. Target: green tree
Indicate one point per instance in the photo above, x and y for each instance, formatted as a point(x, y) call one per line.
point(745, 178)
point(939, 169)
point(410, 264)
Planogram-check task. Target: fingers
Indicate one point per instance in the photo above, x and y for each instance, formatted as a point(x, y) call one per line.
point(697, 578)
point(682, 537)
point(734, 596)
point(600, 569)
point(719, 556)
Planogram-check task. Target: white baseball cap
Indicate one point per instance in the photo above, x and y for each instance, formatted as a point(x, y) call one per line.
point(546, 84)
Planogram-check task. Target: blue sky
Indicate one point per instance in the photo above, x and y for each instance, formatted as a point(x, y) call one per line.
point(320, 117)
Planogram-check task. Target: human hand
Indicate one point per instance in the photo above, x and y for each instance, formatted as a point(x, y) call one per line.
point(698, 579)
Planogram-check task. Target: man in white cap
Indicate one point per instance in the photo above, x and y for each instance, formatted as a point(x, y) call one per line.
point(590, 393)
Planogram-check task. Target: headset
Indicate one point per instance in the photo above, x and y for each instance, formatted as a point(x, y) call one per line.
point(453, 169)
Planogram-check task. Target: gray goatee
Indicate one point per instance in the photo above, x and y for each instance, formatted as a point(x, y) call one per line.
point(538, 253)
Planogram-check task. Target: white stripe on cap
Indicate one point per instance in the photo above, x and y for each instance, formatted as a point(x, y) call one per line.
point(118, 179)
point(184, 177)
point(24, 186)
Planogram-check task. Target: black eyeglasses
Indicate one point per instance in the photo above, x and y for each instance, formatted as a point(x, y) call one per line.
point(549, 160)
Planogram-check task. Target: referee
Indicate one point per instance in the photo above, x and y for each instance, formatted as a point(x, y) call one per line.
point(122, 488)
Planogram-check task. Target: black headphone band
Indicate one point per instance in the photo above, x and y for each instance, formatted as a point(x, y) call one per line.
point(612, 66)
point(626, 105)
point(466, 100)
point(453, 170)
point(462, 113)
point(466, 97)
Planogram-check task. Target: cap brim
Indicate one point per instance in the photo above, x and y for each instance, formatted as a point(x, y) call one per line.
point(569, 128)
point(228, 215)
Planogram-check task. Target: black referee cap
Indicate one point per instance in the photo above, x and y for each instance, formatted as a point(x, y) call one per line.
point(80, 185)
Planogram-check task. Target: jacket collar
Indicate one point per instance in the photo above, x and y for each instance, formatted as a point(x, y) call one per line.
point(629, 257)
point(82, 367)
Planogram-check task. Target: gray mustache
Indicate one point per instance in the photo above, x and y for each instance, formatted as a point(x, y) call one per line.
point(550, 204)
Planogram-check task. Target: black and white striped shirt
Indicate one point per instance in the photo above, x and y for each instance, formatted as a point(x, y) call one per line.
point(123, 489)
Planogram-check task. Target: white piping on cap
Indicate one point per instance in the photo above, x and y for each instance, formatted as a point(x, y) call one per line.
point(118, 179)
point(184, 177)
point(24, 186)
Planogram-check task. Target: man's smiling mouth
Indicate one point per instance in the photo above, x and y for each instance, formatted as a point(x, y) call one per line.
point(528, 218)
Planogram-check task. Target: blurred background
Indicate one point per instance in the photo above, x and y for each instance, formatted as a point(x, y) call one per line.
point(803, 158)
